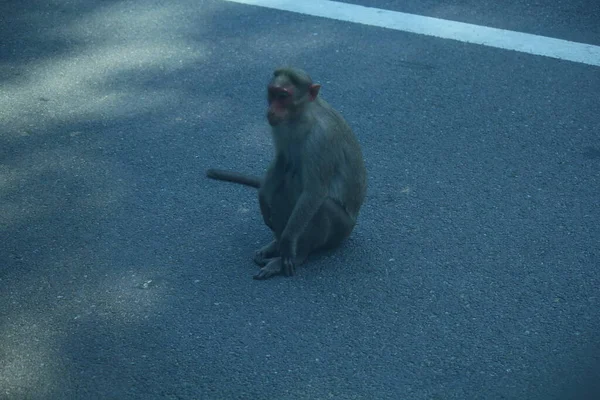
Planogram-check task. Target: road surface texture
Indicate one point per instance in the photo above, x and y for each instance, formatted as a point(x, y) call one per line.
point(474, 271)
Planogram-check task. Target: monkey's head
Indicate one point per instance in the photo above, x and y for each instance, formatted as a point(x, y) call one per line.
point(288, 94)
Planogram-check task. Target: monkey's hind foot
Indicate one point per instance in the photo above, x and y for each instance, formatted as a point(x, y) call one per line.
point(274, 267)
point(266, 254)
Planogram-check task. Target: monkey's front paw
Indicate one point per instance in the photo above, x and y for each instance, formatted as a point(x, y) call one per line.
point(289, 267)
point(287, 249)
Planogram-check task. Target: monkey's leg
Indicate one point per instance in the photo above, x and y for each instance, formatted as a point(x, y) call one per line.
point(265, 254)
point(274, 267)
point(326, 230)
point(338, 226)
point(275, 214)
point(265, 209)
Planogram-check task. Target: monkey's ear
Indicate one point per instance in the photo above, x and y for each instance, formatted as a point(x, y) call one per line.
point(313, 91)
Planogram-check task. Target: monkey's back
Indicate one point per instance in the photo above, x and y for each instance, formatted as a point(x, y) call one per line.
point(349, 183)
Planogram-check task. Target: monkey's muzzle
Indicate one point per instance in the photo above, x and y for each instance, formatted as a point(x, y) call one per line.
point(274, 118)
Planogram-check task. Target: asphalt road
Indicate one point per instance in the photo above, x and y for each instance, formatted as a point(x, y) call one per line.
point(125, 274)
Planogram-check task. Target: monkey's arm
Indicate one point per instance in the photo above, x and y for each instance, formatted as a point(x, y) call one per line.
point(316, 177)
point(306, 207)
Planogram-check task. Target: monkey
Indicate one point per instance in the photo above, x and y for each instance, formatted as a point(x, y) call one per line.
point(311, 194)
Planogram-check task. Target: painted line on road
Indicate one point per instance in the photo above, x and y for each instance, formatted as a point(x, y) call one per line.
point(441, 28)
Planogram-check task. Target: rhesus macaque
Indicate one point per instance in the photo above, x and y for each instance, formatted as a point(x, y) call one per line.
point(314, 187)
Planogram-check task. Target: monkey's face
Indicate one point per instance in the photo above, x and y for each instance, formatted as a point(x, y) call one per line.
point(281, 101)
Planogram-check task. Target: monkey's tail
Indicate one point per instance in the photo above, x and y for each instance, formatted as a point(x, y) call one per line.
point(235, 177)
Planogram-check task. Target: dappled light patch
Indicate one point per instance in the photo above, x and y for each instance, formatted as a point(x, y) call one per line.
point(69, 170)
point(29, 356)
point(83, 82)
point(33, 361)
point(126, 298)
point(74, 183)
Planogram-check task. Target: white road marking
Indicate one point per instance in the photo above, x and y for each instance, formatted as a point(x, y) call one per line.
point(493, 37)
